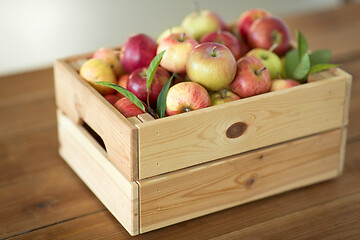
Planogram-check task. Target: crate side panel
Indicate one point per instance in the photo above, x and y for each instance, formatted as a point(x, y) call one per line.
point(81, 102)
point(210, 187)
point(188, 139)
point(86, 157)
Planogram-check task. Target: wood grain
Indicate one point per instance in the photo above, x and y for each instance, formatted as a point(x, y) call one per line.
point(80, 102)
point(88, 159)
point(210, 187)
point(188, 139)
point(17, 119)
point(295, 223)
point(37, 188)
point(26, 87)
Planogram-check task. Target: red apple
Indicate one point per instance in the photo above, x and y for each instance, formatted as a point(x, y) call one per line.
point(111, 98)
point(137, 84)
point(212, 65)
point(267, 31)
point(222, 96)
point(122, 82)
point(278, 84)
point(246, 19)
point(110, 57)
point(202, 22)
point(138, 51)
point(225, 38)
point(96, 70)
point(127, 107)
point(245, 48)
point(252, 78)
point(186, 97)
point(178, 47)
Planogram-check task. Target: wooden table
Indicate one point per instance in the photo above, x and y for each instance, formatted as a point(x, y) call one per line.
point(42, 198)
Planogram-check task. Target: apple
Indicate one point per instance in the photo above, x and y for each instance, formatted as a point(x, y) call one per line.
point(167, 32)
point(110, 57)
point(225, 38)
point(279, 84)
point(96, 70)
point(111, 98)
point(138, 51)
point(212, 65)
point(271, 61)
point(127, 108)
point(122, 82)
point(244, 47)
point(137, 84)
point(202, 22)
point(186, 97)
point(222, 96)
point(252, 78)
point(267, 31)
point(178, 47)
point(246, 19)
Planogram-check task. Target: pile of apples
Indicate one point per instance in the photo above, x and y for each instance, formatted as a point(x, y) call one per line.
point(211, 63)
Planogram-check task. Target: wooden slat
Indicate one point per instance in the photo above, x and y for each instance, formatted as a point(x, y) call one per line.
point(188, 139)
point(134, 120)
point(145, 117)
point(80, 102)
point(211, 187)
point(88, 159)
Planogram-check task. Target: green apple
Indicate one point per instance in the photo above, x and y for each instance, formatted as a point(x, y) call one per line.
point(167, 32)
point(271, 61)
point(222, 96)
point(202, 22)
point(212, 65)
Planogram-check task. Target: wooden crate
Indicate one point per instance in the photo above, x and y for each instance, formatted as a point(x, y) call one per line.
point(153, 173)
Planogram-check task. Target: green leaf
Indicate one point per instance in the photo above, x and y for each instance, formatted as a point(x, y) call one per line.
point(321, 67)
point(291, 62)
point(152, 69)
point(320, 57)
point(302, 68)
point(161, 101)
point(302, 44)
point(124, 92)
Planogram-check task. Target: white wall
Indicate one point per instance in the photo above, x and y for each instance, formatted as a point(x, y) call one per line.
point(33, 33)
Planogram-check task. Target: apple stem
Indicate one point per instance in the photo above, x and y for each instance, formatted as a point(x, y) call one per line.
point(187, 109)
point(223, 93)
point(278, 75)
point(273, 47)
point(182, 37)
point(213, 53)
point(257, 72)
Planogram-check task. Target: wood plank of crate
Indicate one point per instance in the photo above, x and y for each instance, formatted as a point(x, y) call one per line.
point(81, 102)
point(196, 191)
point(188, 139)
point(90, 163)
